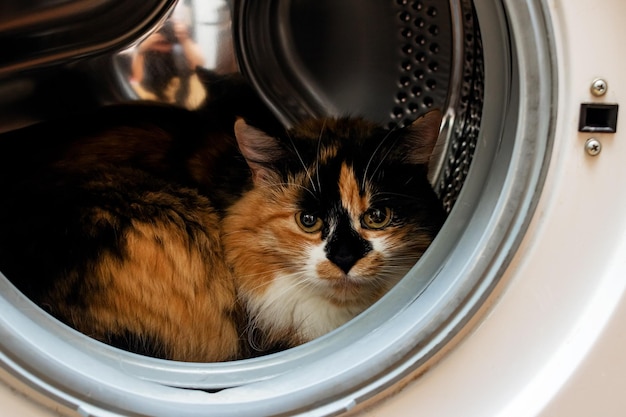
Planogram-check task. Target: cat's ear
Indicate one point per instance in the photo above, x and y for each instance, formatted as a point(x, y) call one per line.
point(421, 137)
point(260, 150)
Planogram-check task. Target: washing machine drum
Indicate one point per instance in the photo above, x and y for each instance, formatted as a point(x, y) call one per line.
point(389, 62)
point(386, 61)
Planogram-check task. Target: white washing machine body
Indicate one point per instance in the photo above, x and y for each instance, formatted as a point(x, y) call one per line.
point(549, 340)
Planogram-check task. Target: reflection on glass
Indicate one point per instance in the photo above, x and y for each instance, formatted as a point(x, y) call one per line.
point(166, 65)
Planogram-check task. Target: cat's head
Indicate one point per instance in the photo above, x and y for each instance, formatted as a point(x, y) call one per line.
point(340, 210)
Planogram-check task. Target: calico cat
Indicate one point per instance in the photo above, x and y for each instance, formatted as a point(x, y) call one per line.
point(157, 230)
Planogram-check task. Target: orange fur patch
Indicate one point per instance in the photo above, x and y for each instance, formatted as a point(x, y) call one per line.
point(277, 237)
point(350, 194)
point(326, 154)
point(168, 288)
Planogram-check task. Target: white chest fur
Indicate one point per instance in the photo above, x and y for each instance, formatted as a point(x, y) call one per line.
point(292, 303)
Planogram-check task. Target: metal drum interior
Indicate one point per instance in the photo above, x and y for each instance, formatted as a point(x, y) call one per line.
point(388, 61)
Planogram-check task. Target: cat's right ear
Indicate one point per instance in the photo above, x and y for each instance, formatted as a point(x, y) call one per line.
point(421, 138)
point(260, 150)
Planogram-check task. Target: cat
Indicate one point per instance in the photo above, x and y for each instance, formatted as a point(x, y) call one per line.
point(160, 231)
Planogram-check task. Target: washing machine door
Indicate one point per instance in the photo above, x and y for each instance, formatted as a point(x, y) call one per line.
point(549, 341)
point(515, 309)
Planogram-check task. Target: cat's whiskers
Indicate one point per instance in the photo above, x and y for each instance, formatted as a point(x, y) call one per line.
point(306, 169)
point(393, 273)
point(369, 162)
point(398, 268)
point(281, 185)
point(317, 160)
point(293, 283)
point(403, 259)
point(384, 157)
point(390, 195)
point(380, 280)
point(265, 272)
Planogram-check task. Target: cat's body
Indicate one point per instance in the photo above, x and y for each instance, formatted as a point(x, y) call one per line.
point(109, 227)
point(162, 232)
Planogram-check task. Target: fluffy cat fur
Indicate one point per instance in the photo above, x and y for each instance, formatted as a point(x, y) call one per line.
point(191, 237)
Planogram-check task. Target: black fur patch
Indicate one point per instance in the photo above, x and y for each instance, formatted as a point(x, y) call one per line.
point(136, 343)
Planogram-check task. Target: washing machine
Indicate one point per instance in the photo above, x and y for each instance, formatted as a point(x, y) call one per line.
point(518, 308)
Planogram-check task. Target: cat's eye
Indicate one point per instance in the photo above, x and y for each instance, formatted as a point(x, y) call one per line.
point(308, 222)
point(376, 218)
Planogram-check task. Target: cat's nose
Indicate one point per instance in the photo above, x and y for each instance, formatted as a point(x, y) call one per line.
point(347, 254)
point(344, 260)
point(345, 247)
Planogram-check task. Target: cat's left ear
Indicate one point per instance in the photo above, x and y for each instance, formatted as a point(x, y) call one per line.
point(421, 137)
point(260, 150)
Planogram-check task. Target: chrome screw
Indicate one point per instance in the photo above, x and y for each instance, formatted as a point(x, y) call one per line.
point(599, 87)
point(593, 146)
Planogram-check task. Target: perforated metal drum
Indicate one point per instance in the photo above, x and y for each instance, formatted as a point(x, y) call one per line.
point(386, 61)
